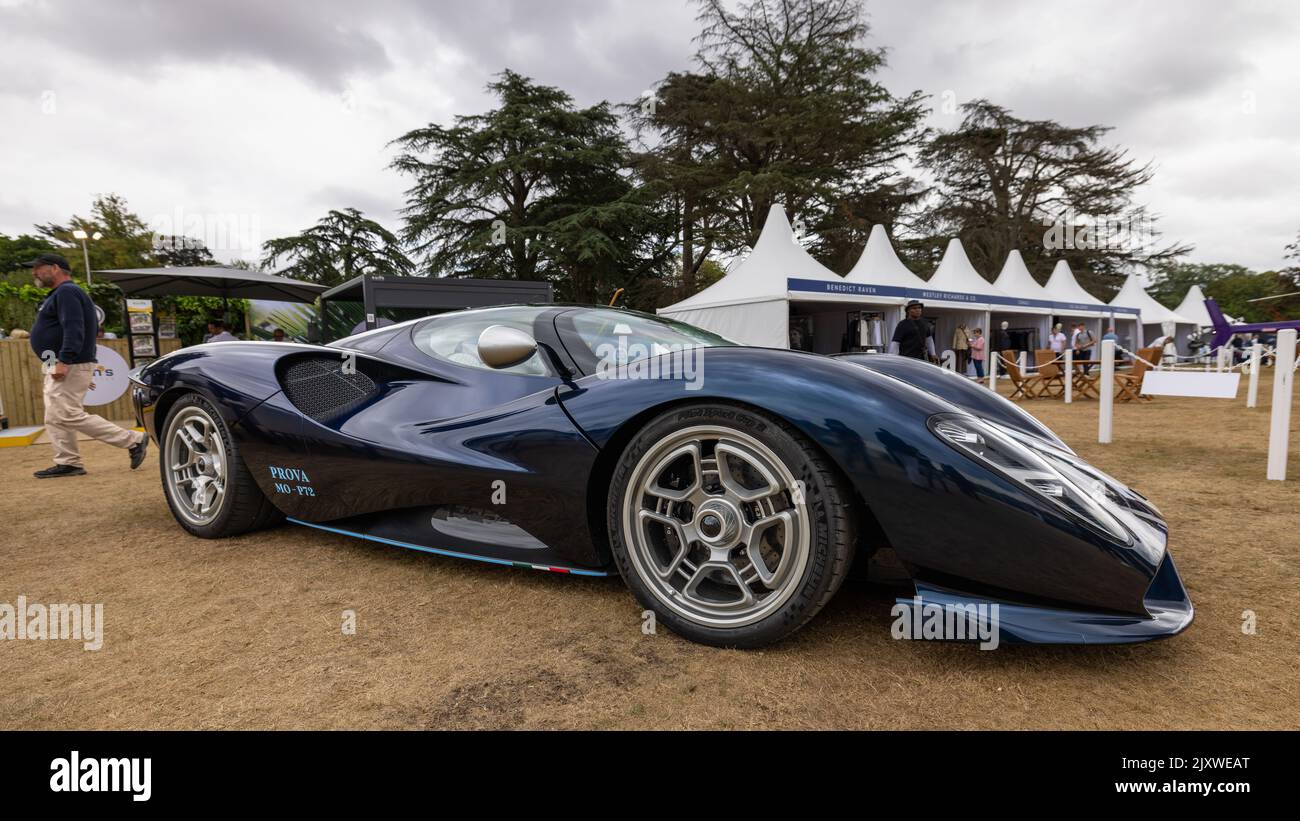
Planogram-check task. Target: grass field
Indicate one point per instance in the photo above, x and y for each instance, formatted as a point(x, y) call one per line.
point(246, 633)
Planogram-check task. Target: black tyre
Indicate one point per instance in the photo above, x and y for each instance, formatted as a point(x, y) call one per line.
point(729, 524)
point(207, 485)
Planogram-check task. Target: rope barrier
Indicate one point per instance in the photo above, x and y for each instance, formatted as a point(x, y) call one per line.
point(1029, 365)
point(1245, 363)
point(1123, 350)
point(1265, 353)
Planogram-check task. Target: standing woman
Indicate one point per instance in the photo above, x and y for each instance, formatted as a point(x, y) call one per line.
point(1057, 340)
point(977, 353)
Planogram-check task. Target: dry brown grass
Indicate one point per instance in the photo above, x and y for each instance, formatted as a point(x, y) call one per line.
point(245, 633)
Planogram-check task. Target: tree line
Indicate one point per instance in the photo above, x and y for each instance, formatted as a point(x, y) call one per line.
point(781, 105)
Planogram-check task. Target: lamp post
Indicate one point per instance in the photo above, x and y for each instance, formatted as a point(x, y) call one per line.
point(85, 251)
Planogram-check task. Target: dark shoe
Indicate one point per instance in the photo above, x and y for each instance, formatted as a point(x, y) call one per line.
point(59, 470)
point(137, 452)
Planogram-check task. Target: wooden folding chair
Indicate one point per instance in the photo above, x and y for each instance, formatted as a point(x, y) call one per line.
point(1130, 384)
point(1051, 375)
point(1027, 386)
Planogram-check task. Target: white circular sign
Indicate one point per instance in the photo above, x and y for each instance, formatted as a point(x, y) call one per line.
point(110, 377)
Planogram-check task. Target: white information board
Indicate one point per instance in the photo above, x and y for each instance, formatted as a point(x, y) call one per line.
point(1191, 383)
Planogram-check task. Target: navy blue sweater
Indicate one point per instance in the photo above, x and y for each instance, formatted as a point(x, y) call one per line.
point(66, 324)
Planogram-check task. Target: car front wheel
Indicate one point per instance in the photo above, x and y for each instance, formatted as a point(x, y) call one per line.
point(729, 524)
point(208, 488)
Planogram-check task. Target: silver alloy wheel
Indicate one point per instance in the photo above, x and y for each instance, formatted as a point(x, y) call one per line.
point(196, 465)
point(716, 526)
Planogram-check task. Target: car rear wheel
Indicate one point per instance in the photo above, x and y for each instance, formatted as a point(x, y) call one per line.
point(208, 488)
point(729, 524)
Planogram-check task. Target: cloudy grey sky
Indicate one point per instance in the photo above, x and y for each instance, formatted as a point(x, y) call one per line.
point(241, 120)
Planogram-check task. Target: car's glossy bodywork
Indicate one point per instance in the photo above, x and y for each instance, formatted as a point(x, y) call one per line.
point(515, 469)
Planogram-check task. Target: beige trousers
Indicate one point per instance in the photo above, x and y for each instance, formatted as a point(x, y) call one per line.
point(65, 416)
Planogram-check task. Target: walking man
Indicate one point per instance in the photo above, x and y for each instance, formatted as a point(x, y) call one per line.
point(63, 336)
point(1082, 343)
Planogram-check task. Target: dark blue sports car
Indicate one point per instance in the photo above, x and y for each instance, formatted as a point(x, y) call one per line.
point(732, 488)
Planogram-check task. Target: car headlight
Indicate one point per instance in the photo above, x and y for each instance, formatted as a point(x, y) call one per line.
point(1037, 469)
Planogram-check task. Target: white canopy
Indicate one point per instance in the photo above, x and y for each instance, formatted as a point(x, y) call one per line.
point(1193, 307)
point(762, 275)
point(1063, 287)
point(1016, 281)
point(749, 304)
point(1133, 295)
point(880, 265)
point(956, 280)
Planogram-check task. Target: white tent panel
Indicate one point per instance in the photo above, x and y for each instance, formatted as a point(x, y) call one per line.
point(763, 275)
point(762, 324)
point(1075, 305)
point(1132, 295)
point(880, 265)
point(1063, 287)
point(956, 280)
point(1154, 315)
point(879, 281)
point(1016, 281)
point(1193, 307)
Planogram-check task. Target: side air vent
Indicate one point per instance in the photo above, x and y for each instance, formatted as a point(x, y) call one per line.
point(318, 386)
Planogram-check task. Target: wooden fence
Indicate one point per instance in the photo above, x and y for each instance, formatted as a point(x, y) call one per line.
point(21, 380)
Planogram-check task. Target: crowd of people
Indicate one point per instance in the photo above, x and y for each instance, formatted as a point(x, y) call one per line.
point(914, 337)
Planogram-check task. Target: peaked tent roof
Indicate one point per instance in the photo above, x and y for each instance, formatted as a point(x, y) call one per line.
point(956, 274)
point(1193, 307)
point(1063, 287)
point(763, 274)
point(1133, 295)
point(880, 265)
point(1016, 280)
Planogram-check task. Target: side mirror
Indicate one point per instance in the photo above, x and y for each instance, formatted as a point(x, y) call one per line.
point(500, 346)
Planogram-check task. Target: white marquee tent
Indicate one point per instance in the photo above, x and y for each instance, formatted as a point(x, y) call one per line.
point(1032, 309)
point(882, 274)
point(1075, 305)
point(1066, 291)
point(1193, 307)
point(956, 296)
point(1157, 320)
point(880, 282)
point(779, 296)
point(880, 266)
point(750, 304)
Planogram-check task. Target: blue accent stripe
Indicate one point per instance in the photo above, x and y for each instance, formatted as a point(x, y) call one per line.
point(454, 554)
point(866, 289)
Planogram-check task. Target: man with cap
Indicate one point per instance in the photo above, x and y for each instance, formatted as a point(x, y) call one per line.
point(913, 336)
point(63, 336)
